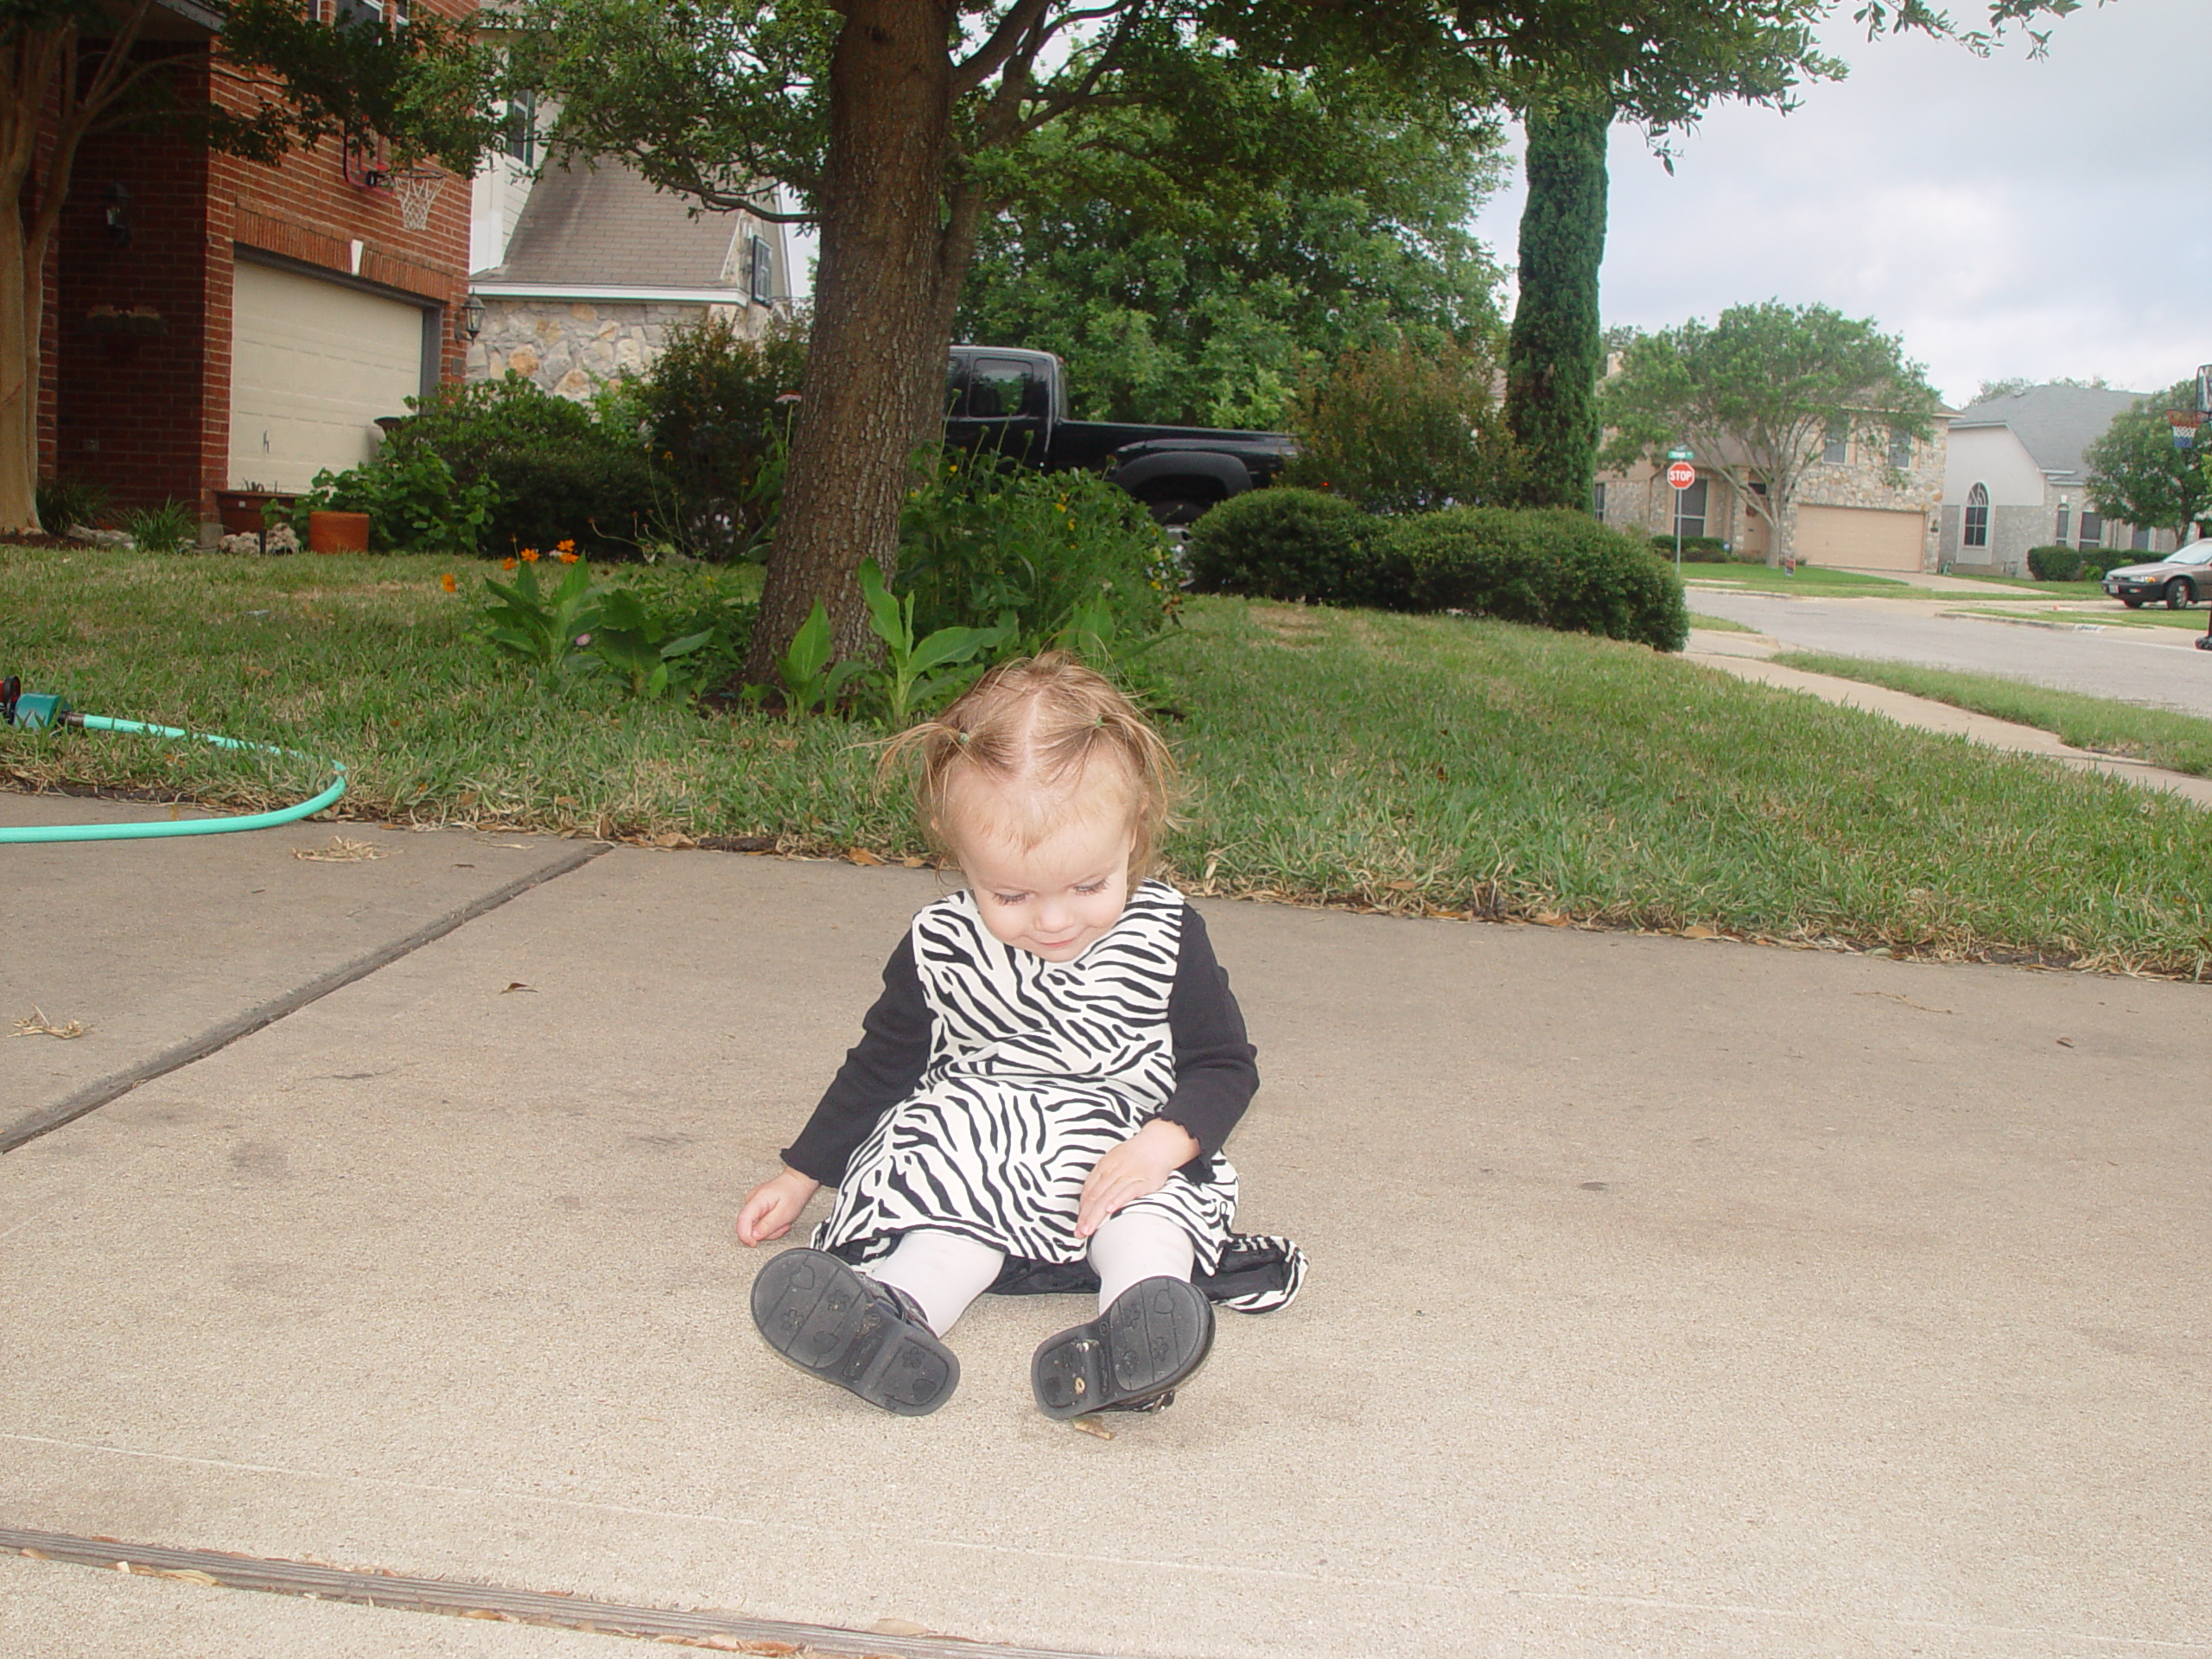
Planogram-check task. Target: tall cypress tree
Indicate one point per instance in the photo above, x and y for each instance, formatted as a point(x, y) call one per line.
point(1555, 354)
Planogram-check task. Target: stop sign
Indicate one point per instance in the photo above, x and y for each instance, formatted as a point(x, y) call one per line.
point(1681, 475)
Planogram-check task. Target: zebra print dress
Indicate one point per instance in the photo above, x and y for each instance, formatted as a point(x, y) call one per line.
point(1037, 1069)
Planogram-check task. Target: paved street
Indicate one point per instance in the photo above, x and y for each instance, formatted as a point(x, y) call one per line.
point(2136, 665)
point(1669, 1298)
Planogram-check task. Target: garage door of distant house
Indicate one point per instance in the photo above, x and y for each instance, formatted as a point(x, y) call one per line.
point(313, 362)
point(1861, 538)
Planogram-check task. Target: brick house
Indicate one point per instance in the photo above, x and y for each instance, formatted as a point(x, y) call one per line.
point(1866, 504)
point(214, 325)
point(2016, 479)
point(582, 270)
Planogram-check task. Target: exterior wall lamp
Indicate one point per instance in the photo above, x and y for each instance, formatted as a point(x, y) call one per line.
point(468, 322)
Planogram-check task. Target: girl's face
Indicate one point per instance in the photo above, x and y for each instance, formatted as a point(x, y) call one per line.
point(1054, 899)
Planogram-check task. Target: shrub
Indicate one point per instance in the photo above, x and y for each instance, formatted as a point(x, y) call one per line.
point(1403, 428)
point(1285, 543)
point(709, 412)
point(65, 501)
point(1696, 549)
point(170, 528)
point(980, 539)
point(499, 466)
point(2063, 563)
point(1553, 567)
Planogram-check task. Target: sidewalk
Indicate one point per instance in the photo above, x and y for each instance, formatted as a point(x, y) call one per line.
point(1672, 1298)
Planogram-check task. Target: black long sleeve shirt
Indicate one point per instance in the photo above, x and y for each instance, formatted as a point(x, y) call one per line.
point(1216, 1068)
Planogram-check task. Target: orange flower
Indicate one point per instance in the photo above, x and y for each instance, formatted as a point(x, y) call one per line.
point(506, 564)
point(570, 558)
point(448, 582)
point(564, 547)
point(529, 555)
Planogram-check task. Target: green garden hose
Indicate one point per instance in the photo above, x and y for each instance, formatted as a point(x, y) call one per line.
point(55, 712)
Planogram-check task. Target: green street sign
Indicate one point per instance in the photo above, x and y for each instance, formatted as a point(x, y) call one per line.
point(1680, 454)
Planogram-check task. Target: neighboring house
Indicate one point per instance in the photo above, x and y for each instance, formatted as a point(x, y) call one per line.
point(1864, 503)
point(214, 325)
point(586, 269)
point(2015, 478)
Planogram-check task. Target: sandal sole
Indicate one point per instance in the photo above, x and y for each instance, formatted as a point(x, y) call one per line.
point(822, 1317)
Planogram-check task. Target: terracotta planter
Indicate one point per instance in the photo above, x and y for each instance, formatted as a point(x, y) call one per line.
point(338, 533)
point(240, 510)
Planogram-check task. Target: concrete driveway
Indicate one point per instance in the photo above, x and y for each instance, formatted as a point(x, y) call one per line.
point(2143, 665)
point(1669, 1298)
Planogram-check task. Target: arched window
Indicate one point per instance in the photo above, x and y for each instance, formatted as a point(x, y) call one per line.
point(1977, 530)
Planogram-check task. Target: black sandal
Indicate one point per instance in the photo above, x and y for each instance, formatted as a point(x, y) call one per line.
point(841, 1325)
point(1130, 1357)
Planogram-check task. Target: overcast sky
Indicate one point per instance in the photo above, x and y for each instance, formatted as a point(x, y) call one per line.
point(2006, 217)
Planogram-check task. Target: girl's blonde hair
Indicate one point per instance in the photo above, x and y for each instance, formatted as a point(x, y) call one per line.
point(1048, 733)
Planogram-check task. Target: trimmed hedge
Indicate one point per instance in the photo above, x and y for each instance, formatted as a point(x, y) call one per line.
point(1696, 549)
point(1553, 567)
point(1285, 543)
point(2063, 563)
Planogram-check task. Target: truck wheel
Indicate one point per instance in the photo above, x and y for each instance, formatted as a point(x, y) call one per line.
point(1174, 511)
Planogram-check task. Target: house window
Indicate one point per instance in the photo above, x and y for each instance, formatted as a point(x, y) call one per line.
point(2140, 542)
point(2065, 519)
point(518, 138)
point(1900, 455)
point(1977, 526)
point(2092, 529)
point(1598, 504)
point(764, 272)
point(1689, 509)
point(1837, 448)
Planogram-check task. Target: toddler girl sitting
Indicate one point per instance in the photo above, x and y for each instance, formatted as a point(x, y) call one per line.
point(1039, 1097)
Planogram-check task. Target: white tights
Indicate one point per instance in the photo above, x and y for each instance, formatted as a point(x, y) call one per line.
point(945, 1272)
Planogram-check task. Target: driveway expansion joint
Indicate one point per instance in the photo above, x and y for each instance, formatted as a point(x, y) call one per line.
point(217, 1569)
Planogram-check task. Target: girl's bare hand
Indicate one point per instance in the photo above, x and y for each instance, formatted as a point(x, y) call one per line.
point(770, 1208)
point(1135, 1169)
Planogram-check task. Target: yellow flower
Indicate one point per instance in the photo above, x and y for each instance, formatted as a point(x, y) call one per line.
point(570, 558)
point(529, 555)
point(565, 546)
point(506, 564)
point(448, 582)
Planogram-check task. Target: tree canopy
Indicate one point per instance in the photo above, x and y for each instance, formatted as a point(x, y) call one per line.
point(1196, 273)
point(1758, 394)
point(2136, 475)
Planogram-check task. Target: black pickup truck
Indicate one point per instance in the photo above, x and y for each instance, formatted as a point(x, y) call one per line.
point(1016, 401)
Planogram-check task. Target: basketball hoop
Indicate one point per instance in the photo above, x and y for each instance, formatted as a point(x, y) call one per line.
point(417, 188)
point(2183, 423)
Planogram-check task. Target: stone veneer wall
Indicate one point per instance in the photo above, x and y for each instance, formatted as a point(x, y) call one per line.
point(572, 348)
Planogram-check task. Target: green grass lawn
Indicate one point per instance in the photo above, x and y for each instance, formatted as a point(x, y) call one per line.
point(1422, 764)
point(2115, 616)
point(1809, 579)
point(2164, 737)
point(1718, 623)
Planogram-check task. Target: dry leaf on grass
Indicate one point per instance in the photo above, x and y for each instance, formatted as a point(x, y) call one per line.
point(1699, 933)
point(340, 851)
point(862, 855)
point(39, 1026)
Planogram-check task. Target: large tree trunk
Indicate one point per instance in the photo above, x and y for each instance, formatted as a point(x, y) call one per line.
point(22, 306)
point(874, 384)
point(1556, 352)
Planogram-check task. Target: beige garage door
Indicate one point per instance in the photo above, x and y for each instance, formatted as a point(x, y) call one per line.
point(312, 364)
point(1861, 538)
